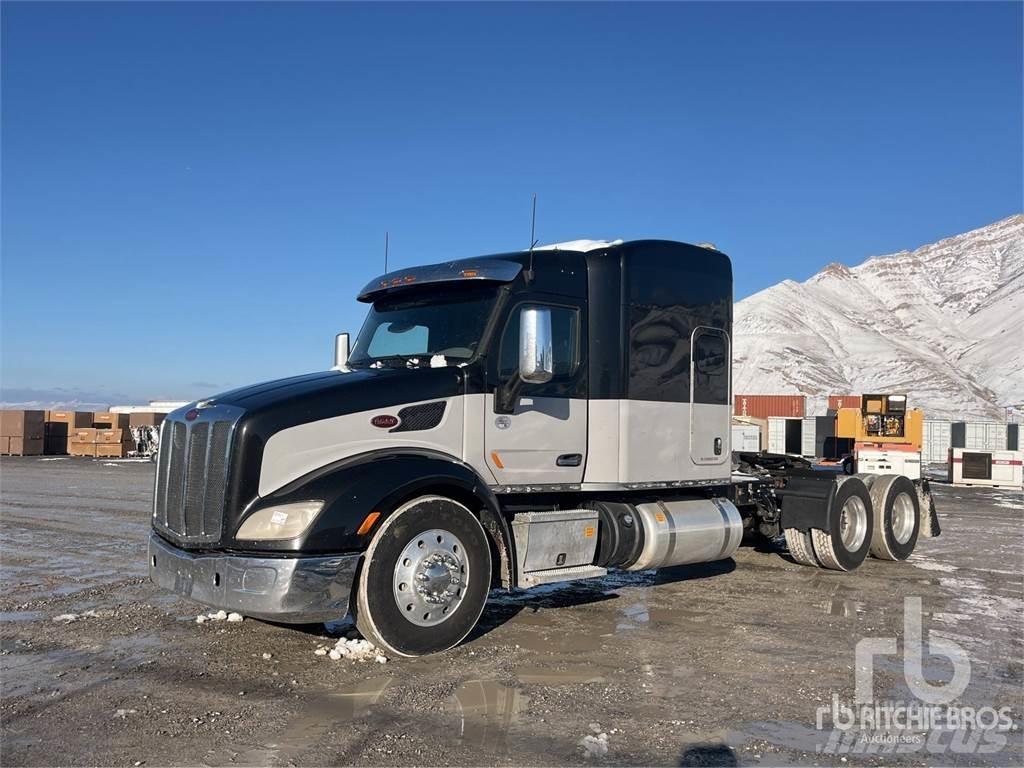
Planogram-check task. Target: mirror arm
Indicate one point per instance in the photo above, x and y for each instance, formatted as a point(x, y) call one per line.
point(507, 393)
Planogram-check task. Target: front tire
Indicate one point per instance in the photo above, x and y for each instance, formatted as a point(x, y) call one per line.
point(425, 578)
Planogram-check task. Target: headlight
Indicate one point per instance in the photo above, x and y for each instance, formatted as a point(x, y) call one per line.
point(285, 521)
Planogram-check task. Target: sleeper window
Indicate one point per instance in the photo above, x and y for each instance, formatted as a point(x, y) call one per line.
point(710, 368)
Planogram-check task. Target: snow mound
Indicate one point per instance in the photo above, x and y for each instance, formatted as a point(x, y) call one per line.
point(219, 616)
point(594, 746)
point(353, 649)
point(67, 618)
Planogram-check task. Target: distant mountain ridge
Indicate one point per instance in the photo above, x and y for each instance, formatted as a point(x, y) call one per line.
point(943, 323)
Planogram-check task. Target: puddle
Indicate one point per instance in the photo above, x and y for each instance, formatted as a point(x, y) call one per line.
point(30, 672)
point(782, 733)
point(6, 616)
point(479, 714)
point(485, 711)
point(838, 607)
point(581, 673)
point(632, 616)
point(318, 719)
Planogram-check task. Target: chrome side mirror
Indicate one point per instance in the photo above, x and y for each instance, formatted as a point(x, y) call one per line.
point(536, 354)
point(340, 350)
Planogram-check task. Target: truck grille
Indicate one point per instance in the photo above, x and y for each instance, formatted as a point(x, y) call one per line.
point(192, 476)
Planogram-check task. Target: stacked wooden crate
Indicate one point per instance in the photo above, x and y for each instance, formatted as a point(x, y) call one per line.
point(21, 432)
point(108, 437)
point(60, 425)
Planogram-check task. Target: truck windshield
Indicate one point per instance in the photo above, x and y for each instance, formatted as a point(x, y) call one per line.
point(401, 329)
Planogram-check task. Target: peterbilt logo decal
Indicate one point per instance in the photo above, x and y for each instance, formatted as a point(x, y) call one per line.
point(384, 421)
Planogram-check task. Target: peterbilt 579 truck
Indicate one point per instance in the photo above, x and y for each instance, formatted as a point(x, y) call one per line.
point(503, 421)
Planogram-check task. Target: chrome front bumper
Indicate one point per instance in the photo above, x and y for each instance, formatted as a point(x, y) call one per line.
point(294, 590)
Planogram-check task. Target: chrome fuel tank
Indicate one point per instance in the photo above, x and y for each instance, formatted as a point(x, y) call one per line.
point(680, 532)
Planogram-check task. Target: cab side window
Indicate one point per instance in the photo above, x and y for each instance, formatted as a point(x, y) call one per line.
point(710, 368)
point(565, 334)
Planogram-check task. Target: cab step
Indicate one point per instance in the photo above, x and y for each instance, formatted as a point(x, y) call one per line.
point(554, 575)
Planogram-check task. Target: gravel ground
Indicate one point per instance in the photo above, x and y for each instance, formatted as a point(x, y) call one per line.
point(719, 664)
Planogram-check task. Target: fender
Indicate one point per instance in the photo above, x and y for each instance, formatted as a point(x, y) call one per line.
point(807, 500)
point(377, 481)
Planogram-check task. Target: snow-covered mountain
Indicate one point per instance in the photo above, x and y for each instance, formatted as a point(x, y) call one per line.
point(943, 323)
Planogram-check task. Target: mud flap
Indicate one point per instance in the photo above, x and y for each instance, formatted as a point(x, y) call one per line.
point(929, 516)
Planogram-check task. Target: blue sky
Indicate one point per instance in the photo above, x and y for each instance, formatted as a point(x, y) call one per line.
point(193, 193)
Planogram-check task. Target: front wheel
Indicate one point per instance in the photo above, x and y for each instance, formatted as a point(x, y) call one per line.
point(425, 578)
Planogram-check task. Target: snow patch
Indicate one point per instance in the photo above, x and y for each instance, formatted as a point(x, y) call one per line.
point(594, 745)
point(353, 649)
point(67, 618)
point(219, 616)
point(931, 565)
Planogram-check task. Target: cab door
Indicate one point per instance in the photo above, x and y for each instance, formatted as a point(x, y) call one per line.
point(710, 384)
point(544, 439)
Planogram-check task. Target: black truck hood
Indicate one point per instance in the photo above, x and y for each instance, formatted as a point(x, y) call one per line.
point(300, 399)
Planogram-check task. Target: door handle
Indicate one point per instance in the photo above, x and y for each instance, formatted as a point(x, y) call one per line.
point(569, 460)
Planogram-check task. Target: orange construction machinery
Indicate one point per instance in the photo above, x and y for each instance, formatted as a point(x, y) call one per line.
point(886, 435)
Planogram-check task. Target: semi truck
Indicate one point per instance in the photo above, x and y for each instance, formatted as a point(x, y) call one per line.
point(498, 422)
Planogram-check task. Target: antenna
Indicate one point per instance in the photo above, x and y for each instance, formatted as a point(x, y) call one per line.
point(385, 253)
point(533, 242)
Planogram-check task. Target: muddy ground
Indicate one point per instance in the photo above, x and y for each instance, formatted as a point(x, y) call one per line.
point(722, 664)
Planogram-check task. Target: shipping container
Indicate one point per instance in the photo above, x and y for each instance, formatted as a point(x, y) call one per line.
point(767, 406)
point(835, 402)
point(808, 447)
point(985, 436)
point(746, 437)
point(785, 435)
point(957, 434)
point(936, 441)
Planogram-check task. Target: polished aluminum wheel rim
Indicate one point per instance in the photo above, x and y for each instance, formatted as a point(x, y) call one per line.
point(903, 518)
point(853, 524)
point(431, 577)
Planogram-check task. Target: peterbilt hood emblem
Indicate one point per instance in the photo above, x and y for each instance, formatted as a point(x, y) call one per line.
point(193, 413)
point(384, 421)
